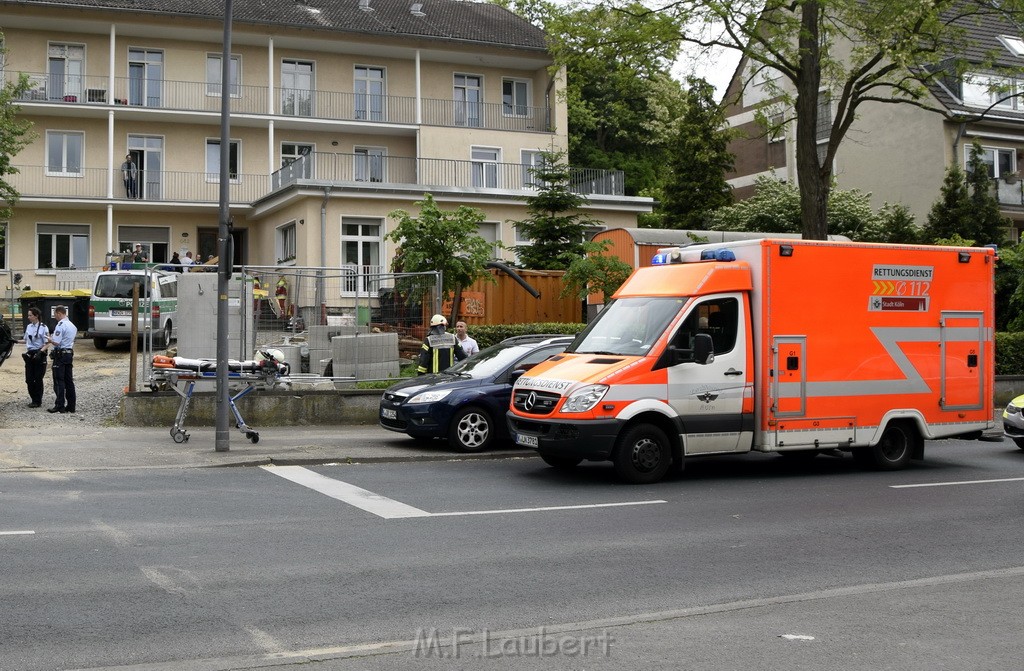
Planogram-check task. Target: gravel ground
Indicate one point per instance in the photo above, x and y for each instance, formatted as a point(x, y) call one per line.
point(100, 380)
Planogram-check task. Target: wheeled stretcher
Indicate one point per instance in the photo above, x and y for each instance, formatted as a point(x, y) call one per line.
point(252, 373)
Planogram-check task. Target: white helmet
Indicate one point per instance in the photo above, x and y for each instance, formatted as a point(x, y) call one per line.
point(438, 320)
point(275, 354)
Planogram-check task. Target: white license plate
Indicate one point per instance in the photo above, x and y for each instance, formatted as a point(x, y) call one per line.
point(120, 313)
point(388, 413)
point(528, 441)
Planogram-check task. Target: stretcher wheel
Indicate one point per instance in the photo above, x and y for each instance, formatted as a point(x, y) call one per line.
point(179, 436)
point(254, 437)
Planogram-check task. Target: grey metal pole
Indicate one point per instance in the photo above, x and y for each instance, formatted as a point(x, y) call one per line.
point(223, 440)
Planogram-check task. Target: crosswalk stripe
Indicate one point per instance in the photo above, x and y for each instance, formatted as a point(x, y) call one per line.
point(361, 498)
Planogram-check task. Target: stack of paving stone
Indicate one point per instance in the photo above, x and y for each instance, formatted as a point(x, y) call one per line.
point(319, 341)
point(365, 356)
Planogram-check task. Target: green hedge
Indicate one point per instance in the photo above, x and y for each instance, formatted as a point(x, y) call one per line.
point(490, 334)
point(1010, 353)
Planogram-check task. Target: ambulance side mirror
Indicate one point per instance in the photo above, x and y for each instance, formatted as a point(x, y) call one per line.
point(703, 349)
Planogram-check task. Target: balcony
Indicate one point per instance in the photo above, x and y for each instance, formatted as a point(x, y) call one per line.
point(159, 94)
point(427, 173)
point(1009, 191)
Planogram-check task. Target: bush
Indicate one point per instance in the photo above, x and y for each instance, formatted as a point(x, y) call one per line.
point(490, 334)
point(1010, 353)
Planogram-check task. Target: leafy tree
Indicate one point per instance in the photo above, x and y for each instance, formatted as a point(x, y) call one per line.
point(966, 206)
point(444, 240)
point(699, 160)
point(597, 272)
point(855, 51)
point(1010, 289)
point(556, 227)
point(15, 134)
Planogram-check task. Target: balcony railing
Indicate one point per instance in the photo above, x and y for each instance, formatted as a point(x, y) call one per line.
point(1009, 193)
point(431, 173)
point(330, 105)
point(153, 185)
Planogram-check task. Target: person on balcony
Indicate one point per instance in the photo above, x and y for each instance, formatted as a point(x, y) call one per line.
point(130, 174)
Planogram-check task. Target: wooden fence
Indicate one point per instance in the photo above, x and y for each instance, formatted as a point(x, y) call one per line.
point(505, 301)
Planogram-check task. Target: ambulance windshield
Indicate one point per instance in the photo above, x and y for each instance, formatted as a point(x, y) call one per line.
point(628, 326)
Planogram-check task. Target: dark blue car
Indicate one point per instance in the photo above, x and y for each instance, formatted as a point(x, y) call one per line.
point(466, 404)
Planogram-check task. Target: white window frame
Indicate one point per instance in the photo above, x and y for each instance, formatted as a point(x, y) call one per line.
point(461, 82)
point(80, 231)
point(363, 164)
point(303, 149)
point(286, 247)
point(63, 135)
point(147, 58)
point(491, 226)
point(521, 109)
point(213, 176)
point(976, 91)
point(367, 113)
point(995, 170)
point(531, 158)
point(5, 239)
point(152, 238)
point(73, 83)
point(213, 85)
point(357, 284)
point(311, 91)
point(485, 169)
point(1013, 44)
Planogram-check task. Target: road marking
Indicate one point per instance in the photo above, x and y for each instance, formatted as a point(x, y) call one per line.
point(16, 533)
point(390, 509)
point(962, 482)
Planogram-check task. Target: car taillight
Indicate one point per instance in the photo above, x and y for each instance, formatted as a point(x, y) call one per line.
point(156, 311)
point(92, 312)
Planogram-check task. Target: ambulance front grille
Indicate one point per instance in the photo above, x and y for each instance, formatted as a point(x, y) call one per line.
point(535, 402)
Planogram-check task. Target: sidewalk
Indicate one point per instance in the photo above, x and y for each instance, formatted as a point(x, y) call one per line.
point(109, 448)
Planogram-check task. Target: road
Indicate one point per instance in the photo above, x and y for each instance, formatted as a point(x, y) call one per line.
point(741, 562)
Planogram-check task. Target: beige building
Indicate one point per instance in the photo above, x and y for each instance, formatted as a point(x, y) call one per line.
point(898, 152)
point(341, 111)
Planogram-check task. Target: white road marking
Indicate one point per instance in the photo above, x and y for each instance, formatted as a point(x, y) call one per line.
point(962, 482)
point(796, 637)
point(16, 533)
point(390, 509)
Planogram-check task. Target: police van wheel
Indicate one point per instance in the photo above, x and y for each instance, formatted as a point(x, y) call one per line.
point(643, 455)
point(164, 339)
point(894, 451)
point(561, 463)
point(471, 430)
point(99, 343)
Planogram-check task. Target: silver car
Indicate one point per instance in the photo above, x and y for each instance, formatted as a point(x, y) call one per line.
point(1013, 421)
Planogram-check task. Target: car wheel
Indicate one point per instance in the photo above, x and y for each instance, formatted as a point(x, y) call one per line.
point(99, 343)
point(471, 430)
point(894, 451)
point(1020, 442)
point(643, 455)
point(163, 341)
point(559, 462)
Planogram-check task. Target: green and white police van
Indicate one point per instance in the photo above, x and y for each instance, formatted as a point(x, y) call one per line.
point(110, 306)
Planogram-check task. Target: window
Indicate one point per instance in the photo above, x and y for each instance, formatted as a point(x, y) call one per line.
point(62, 246)
point(824, 128)
point(360, 253)
point(531, 159)
point(213, 160)
point(369, 164)
point(155, 241)
point(145, 77)
point(989, 91)
point(64, 153)
point(719, 318)
point(65, 68)
point(1014, 45)
point(1000, 162)
point(515, 97)
point(215, 71)
point(488, 230)
point(286, 243)
point(369, 90)
point(468, 96)
point(296, 88)
point(292, 152)
point(761, 83)
point(485, 167)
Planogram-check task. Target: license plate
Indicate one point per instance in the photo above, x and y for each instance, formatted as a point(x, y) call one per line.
point(528, 441)
point(388, 413)
point(120, 313)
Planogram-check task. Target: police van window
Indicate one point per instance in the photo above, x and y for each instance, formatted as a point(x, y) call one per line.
point(718, 318)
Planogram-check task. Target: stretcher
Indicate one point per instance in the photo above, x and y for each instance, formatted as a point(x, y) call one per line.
point(253, 373)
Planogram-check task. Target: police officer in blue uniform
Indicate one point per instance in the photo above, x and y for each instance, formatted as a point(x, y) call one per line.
point(63, 355)
point(37, 335)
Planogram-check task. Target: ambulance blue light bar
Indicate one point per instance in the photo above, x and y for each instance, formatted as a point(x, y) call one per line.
point(673, 255)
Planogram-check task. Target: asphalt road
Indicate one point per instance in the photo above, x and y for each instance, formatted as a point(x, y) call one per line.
point(742, 562)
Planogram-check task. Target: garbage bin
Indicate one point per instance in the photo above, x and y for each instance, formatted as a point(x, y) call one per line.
point(46, 301)
point(79, 309)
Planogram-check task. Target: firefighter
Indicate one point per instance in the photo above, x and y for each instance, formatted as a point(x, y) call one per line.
point(281, 292)
point(440, 349)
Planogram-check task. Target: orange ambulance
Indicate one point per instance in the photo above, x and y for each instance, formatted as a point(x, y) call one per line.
point(789, 346)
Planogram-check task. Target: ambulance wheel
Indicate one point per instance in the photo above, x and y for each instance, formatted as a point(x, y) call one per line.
point(643, 455)
point(471, 430)
point(894, 451)
point(99, 343)
point(559, 462)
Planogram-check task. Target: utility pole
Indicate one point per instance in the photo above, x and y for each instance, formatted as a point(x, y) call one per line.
point(225, 261)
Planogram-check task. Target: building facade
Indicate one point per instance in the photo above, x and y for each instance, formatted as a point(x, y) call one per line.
point(341, 112)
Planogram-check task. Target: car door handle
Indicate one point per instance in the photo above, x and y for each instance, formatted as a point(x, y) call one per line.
point(733, 371)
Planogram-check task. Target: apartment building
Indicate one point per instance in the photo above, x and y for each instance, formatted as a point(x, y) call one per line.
point(341, 111)
point(898, 152)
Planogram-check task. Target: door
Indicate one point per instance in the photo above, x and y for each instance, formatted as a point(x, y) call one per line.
point(148, 154)
point(789, 383)
point(468, 96)
point(145, 77)
point(369, 98)
point(709, 398)
point(296, 88)
point(962, 344)
point(208, 246)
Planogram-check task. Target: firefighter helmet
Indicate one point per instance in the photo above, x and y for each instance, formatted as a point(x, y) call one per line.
point(438, 320)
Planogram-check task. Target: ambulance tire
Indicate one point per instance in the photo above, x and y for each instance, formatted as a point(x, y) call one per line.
point(643, 455)
point(894, 451)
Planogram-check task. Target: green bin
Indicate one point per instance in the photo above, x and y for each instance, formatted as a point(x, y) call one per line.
point(362, 315)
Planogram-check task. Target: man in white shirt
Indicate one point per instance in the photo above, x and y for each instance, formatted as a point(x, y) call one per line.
point(469, 345)
point(187, 262)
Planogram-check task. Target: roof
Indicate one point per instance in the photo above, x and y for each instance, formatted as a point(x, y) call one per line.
point(442, 19)
point(666, 237)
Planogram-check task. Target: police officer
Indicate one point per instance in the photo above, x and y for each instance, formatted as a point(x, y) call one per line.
point(63, 354)
point(440, 350)
point(36, 339)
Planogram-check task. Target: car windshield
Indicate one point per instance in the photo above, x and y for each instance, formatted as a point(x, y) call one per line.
point(491, 361)
point(120, 286)
point(628, 326)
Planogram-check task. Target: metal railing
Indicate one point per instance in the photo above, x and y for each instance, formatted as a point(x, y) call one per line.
point(1008, 192)
point(430, 173)
point(162, 94)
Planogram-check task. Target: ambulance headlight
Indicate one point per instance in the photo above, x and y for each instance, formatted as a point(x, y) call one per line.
point(584, 400)
point(429, 396)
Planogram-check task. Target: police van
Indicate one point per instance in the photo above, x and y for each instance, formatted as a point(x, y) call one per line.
point(110, 306)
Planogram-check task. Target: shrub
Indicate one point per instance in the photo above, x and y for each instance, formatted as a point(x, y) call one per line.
point(1010, 353)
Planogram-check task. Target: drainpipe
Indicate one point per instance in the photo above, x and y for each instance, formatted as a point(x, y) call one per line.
point(323, 257)
point(960, 132)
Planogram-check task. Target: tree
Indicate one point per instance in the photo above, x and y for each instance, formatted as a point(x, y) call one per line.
point(556, 228)
point(596, 272)
point(966, 206)
point(700, 157)
point(855, 51)
point(440, 240)
point(15, 134)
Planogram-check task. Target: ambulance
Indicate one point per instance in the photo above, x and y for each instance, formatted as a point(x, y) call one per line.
point(788, 346)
